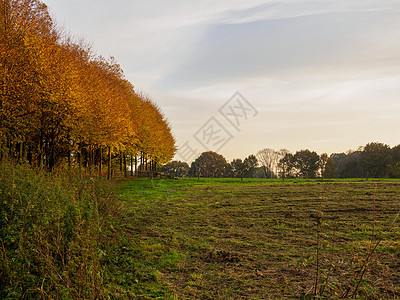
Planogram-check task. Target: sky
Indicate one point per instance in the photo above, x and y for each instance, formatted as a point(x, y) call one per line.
point(238, 76)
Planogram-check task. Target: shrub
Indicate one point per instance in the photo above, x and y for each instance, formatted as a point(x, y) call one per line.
point(51, 228)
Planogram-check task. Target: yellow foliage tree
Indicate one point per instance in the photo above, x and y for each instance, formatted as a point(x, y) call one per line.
point(60, 101)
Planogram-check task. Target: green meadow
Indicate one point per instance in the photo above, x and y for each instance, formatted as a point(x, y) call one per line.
point(66, 236)
point(263, 239)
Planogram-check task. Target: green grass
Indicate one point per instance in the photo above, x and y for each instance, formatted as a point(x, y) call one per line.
point(51, 234)
point(255, 239)
point(64, 236)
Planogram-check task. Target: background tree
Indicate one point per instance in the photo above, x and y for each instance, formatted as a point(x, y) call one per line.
point(338, 159)
point(209, 164)
point(237, 168)
point(323, 159)
point(329, 170)
point(394, 171)
point(307, 163)
point(269, 159)
point(376, 159)
point(259, 172)
point(176, 169)
point(286, 166)
point(250, 164)
point(395, 152)
point(349, 165)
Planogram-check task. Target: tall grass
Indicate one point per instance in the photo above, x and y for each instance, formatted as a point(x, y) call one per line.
point(52, 228)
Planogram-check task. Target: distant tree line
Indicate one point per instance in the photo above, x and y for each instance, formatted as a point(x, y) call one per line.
point(374, 160)
point(211, 164)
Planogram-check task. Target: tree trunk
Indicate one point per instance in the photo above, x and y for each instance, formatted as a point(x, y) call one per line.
point(100, 161)
point(80, 160)
point(141, 165)
point(120, 162)
point(69, 160)
point(131, 165)
point(41, 146)
point(136, 173)
point(109, 164)
point(125, 168)
point(51, 154)
point(20, 156)
point(146, 166)
point(89, 160)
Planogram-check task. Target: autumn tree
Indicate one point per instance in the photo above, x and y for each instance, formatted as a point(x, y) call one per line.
point(25, 26)
point(61, 102)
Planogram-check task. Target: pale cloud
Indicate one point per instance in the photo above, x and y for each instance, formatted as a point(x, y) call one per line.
point(273, 10)
point(273, 47)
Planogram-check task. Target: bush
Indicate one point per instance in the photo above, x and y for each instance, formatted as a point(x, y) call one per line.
point(51, 228)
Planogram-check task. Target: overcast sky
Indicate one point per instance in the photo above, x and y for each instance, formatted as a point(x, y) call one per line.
point(320, 75)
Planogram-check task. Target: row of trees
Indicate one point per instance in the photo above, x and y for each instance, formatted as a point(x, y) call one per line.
point(302, 164)
point(60, 102)
point(211, 164)
point(373, 160)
